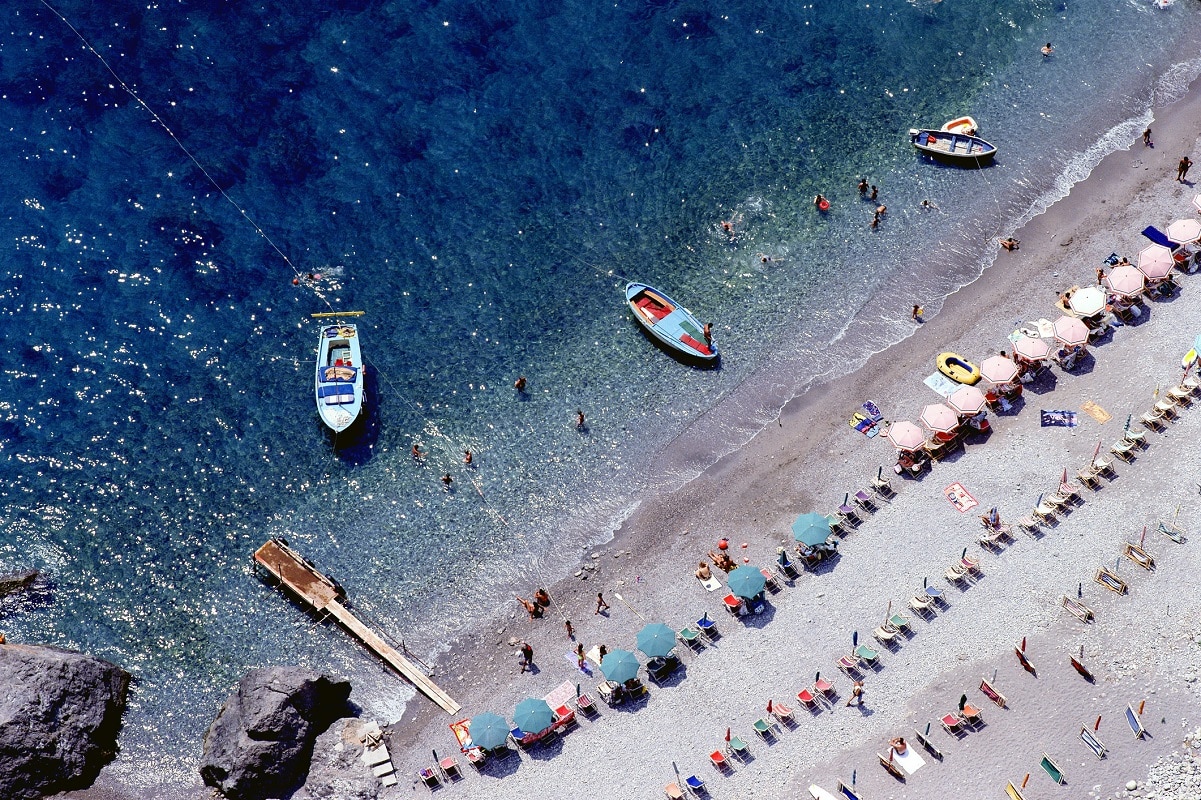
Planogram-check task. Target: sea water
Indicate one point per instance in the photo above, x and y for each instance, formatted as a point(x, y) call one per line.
point(481, 179)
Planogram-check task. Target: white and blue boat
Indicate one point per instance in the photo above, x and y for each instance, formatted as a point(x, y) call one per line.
point(954, 147)
point(338, 388)
point(669, 323)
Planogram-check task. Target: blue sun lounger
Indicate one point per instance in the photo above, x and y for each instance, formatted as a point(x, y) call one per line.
point(1092, 742)
point(1136, 723)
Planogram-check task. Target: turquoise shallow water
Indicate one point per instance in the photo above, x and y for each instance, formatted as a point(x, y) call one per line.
point(481, 182)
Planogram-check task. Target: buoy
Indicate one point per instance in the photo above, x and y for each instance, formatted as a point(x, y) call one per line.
point(722, 544)
point(744, 545)
point(296, 281)
point(824, 205)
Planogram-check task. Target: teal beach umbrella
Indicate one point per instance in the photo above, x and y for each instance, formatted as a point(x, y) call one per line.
point(533, 715)
point(620, 665)
point(811, 529)
point(488, 730)
point(746, 582)
point(656, 639)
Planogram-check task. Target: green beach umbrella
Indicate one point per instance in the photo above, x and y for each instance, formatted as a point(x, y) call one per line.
point(620, 665)
point(656, 639)
point(533, 715)
point(746, 582)
point(488, 730)
point(811, 529)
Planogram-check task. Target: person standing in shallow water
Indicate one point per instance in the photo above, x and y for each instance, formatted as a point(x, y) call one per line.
point(862, 186)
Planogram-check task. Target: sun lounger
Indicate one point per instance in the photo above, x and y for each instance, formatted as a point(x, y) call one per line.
point(695, 785)
point(1012, 792)
point(848, 792)
point(885, 635)
point(781, 712)
point(1078, 609)
point(1152, 420)
point(718, 759)
point(991, 693)
point(953, 723)
point(673, 791)
point(737, 747)
point(1136, 722)
point(1172, 531)
point(971, 714)
point(956, 573)
point(689, 636)
point(921, 604)
point(824, 688)
point(763, 728)
point(1110, 581)
point(1139, 556)
point(848, 664)
point(1092, 742)
point(925, 742)
point(1055, 772)
point(867, 655)
point(882, 486)
point(891, 768)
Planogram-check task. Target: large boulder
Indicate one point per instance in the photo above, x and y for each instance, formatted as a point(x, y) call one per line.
point(60, 713)
point(261, 743)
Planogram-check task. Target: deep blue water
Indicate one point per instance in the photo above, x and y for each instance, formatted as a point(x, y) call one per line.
point(479, 180)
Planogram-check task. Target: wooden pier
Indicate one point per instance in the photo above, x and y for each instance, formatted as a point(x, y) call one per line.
point(297, 574)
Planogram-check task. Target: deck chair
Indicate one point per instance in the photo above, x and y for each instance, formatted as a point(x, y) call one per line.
point(707, 627)
point(867, 655)
point(1153, 420)
point(429, 777)
point(449, 767)
point(689, 636)
point(891, 768)
point(1139, 556)
point(970, 563)
point(824, 688)
point(1110, 581)
point(971, 714)
point(921, 604)
point(1123, 450)
point(1029, 525)
point(836, 526)
point(718, 759)
point(585, 705)
point(1103, 465)
point(1172, 531)
point(807, 697)
point(848, 792)
point(769, 579)
point(882, 486)
point(733, 604)
point(1012, 792)
point(956, 573)
point(953, 723)
point(737, 747)
point(1136, 722)
point(1181, 395)
point(763, 728)
point(925, 742)
point(781, 712)
point(848, 664)
point(1077, 609)
point(865, 500)
point(934, 594)
point(1191, 383)
point(1054, 771)
point(885, 635)
point(1056, 501)
point(1092, 742)
point(673, 791)
point(991, 693)
point(1069, 491)
point(1090, 476)
point(849, 515)
point(1044, 512)
point(695, 785)
point(1167, 408)
point(991, 538)
point(898, 623)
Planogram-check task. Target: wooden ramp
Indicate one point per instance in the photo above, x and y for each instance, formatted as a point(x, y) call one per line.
point(302, 579)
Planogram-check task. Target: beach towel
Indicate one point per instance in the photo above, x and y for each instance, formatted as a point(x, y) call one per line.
point(873, 411)
point(911, 762)
point(1095, 411)
point(860, 422)
point(1062, 419)
point(942, 384)
point(574, 660)
point(713, 584)
point(960, 498)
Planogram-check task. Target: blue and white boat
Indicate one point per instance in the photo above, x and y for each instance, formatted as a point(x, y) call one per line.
point(670, 323)
point(338, 388)
point(953, 146)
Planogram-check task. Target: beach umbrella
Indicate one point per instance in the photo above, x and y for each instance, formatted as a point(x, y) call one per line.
point(967, 400)
point(1070, 331)
point(769, 706)
point(962, 701)
point(533, 715)
point(998, 369)
point(855, 639)
point(727, 734)
point(746, 582)
point(1197, 202)
point(620, 665)
point(905, 436)
point(656, 639)
point(1184, 230)
point(488, 730)
point(1088, 301)
point(811, 529)
point(1155, 261)
point(939, 418)
point(1126, 281)
point(1031, 348)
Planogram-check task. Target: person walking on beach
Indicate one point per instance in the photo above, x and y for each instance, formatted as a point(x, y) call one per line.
point(527, 656)
point(1182, 169)
point(570, 630)
point(1147, 138)
point(856, 694)
point(600, 602)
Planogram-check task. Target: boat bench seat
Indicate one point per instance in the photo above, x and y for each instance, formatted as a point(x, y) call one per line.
point(336, 394)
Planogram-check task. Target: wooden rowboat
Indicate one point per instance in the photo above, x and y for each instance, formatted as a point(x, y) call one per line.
point(964, 124)
point(955, 148)
point(669, 323)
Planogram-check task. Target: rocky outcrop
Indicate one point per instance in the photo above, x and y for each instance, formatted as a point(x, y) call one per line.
point(261, 743)
point(60, 713)
point(337, 771)
point(17, 581)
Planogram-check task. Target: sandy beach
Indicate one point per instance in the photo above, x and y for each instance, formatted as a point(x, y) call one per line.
point(1141, 647)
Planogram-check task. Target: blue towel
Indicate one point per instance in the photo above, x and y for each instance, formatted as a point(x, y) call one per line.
point(1159, 237)
point(1063, 419)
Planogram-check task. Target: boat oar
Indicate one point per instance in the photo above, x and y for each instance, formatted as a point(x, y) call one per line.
point(627, 605)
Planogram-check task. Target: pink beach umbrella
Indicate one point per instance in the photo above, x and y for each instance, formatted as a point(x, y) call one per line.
point(1031, 349)
point(1070, 331)
point(998, 369)
point(905, 436)
point(1184, 230)
point(939, 418)
point(1088, 301)
point(1126, 281)
point(1197, 202)
point(968, 400)
point(1155, 261)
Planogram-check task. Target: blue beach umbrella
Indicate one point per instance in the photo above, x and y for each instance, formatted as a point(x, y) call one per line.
point(746, 582)
point(488, 730)
point(533, 715)
point(656, 639)
point(811, 529)
point(620, 665)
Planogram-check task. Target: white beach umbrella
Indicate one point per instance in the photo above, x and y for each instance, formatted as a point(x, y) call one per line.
point(998, 369)
point(1071, 331)
point(967, 400)
point(1155, 261)
point(1088, 301)
point(1031, 349)
point(939, 418)
point(1126, 281)
point(905, 436)
point(1184, 230)
point(1197, 202)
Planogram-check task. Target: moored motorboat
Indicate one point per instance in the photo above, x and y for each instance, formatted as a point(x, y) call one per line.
point(670, 323)
point(956, 148)
point(964, 124)
point(958, 369)
point(338, 387)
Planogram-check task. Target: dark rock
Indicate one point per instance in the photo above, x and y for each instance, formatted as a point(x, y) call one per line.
point(337, 771)
point(261, 743)
point(17, 581)
point(60, 713)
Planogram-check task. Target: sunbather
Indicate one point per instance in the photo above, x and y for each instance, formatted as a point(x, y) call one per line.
point(703, 573)
point(898, 746)
point(533, 609)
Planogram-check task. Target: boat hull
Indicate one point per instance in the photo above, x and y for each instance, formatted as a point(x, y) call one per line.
point(338, 384)
point(669, 323)
point(958, 369)
point(953, 148)
point(963, 124)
